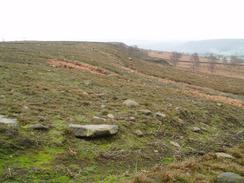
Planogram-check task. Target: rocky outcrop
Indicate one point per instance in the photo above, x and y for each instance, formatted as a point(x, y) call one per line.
point(229, 177)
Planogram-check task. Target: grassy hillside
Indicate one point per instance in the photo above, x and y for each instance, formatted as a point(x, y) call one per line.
point(94, 79)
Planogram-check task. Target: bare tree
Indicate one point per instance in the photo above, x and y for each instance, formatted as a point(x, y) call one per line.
point(211, 63)
point(195, 62)
point(175, 56)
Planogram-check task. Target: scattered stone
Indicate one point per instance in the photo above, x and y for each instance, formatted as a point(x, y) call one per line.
point(8, 121)
point(145, 111)
point(180, 121)
point(98, 119)
point(156, 151)
point(130, 58)
point(139, 133)
point(85, 93)
point(130, 103)
point(25, 107)
point(160, 115)
point(93, 130)
point(132, 119)
point(174, 144)
point(224, 155)
point(229, 177)
point(103, 106)
point(196, 129)
point(219, 104)
point(111, 116)
point(38, 126)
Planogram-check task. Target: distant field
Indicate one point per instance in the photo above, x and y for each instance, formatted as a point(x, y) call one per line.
point(185, 64)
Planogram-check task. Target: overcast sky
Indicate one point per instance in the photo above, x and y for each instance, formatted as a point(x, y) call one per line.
point(121, 20)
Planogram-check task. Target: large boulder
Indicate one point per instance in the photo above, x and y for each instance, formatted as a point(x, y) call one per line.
point(93, 130)
point(130, 103)
point(8, 121)
point(229, 177)
point(8, 126)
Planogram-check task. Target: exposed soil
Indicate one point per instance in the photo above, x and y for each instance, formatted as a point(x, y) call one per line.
point(79, 66)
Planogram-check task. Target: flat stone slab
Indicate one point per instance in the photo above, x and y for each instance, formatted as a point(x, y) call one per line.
point(8, 121)
point(93, 130)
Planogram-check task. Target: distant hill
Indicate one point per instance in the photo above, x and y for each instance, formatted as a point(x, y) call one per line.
point(218, 46)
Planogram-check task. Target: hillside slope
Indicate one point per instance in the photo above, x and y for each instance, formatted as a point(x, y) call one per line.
point(59, 83)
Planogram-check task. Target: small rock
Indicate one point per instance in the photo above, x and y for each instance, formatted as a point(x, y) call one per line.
point(160, 115)
point(130, 103)
point(111, 116)
point(130, 58)
point(25, 107)
point(103, 106)
point(93, 130)
point(139, 133)
point(229, 177)
point(98, 119)
point(131, 118)
point(145, 111)
point(38, 127)
point(196, 129)
point(219, 104)
point(85, 93)
point(224, 155)
point(180, 121)
point(156, 151)
point(174, 144)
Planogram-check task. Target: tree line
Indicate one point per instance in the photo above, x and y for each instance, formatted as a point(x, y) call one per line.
point(212, 61)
